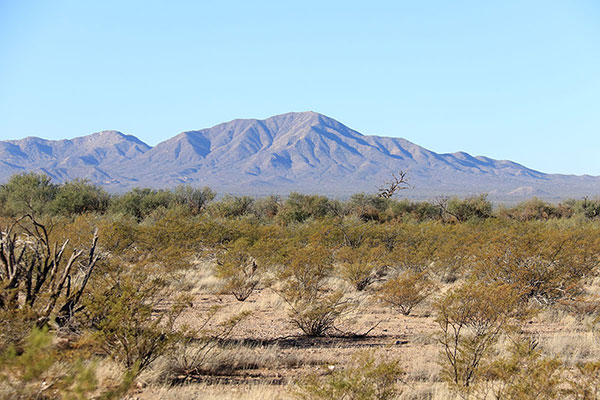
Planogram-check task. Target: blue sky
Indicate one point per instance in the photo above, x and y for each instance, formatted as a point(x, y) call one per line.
point(515, 80)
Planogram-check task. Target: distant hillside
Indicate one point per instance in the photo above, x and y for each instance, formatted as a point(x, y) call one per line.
point(305, 152)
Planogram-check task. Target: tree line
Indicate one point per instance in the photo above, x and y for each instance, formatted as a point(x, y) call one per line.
point(35, 193)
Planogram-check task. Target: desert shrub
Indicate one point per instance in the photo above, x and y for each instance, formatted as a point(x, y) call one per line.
point(314, 307)
point(195, 199)
point(533, 209)
point(545, 263)
point(231, 207)
point(139, 203)
point(171, 238)
point(473, 207)
point(122, 314)
point(584, 383)
point(78, 197)
point(416, 211)
point(350, 232)
point(444, 249)
point(364, 379)
point(28, 193)
point(237, 267)
point(317, 316)
point(132, 309)
point(266, 208)
point(384, 235)
point(361, 266)
point(406, 291)
point(416, 246)
point(299, 207)
point(453, 248)
point(470, 320)
point(37, 371)
point(588, 208)
point(524, 374)
point(367, 207)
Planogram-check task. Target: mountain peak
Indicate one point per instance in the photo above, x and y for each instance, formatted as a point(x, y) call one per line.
point(306, 117)
point(110, 137)
point(109, 133)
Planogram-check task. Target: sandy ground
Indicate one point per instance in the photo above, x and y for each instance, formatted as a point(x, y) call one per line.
point(266, 354)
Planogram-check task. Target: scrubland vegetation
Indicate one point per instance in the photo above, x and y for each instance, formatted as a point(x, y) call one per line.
point(173, 294)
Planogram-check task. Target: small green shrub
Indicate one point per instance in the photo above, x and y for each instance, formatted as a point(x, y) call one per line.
point(238, 268)
point(126, 326)
point(471, 318)
point(314, 307)
point(361, 266)
point(525, 374)
point(365, 379)
point(406, 291)
point(36, 371)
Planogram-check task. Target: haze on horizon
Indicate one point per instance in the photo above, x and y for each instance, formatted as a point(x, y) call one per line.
point(508, 80)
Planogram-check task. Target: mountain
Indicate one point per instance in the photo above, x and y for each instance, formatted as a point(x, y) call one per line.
point(306, 152)
point(93, 157)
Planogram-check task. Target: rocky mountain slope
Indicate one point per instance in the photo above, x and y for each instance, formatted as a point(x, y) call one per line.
point(306, 152)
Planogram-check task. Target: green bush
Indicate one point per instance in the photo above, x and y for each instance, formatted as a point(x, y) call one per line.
point(237, 266)
point(471, 318)
point(79, 197)
point(139, 203)
point(231, 207)
point(406, 291)
point(473, 207)
point(37, 371)
point(299, 207)
point(195, 199)
point(314, 307)
point(365, 379)
point(126, 326)
point(524, 374)
point(28, 193)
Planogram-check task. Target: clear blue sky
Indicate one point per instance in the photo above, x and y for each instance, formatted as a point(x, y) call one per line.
point(515, 80)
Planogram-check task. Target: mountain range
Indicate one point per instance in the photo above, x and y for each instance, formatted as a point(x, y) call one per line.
point(306, 152)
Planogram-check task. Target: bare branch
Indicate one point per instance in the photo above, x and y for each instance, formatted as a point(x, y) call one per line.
point(399, 182)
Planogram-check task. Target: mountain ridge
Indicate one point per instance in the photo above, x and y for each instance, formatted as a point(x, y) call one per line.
point(298, 151)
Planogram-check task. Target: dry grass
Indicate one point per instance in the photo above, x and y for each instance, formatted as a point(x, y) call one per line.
point(109, 373)
point(265, 354)
point(216, 392)
point(198, 280)
point(572, 347)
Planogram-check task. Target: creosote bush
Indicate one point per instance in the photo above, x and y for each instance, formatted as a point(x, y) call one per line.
point(314, 307)
point(471, 318)
point(525, 373)
point(124, 320)
point(545, 263)
point(361, 266)
point(38, 371)
point(239, 269)
point(406, 291)
point(365, 379)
